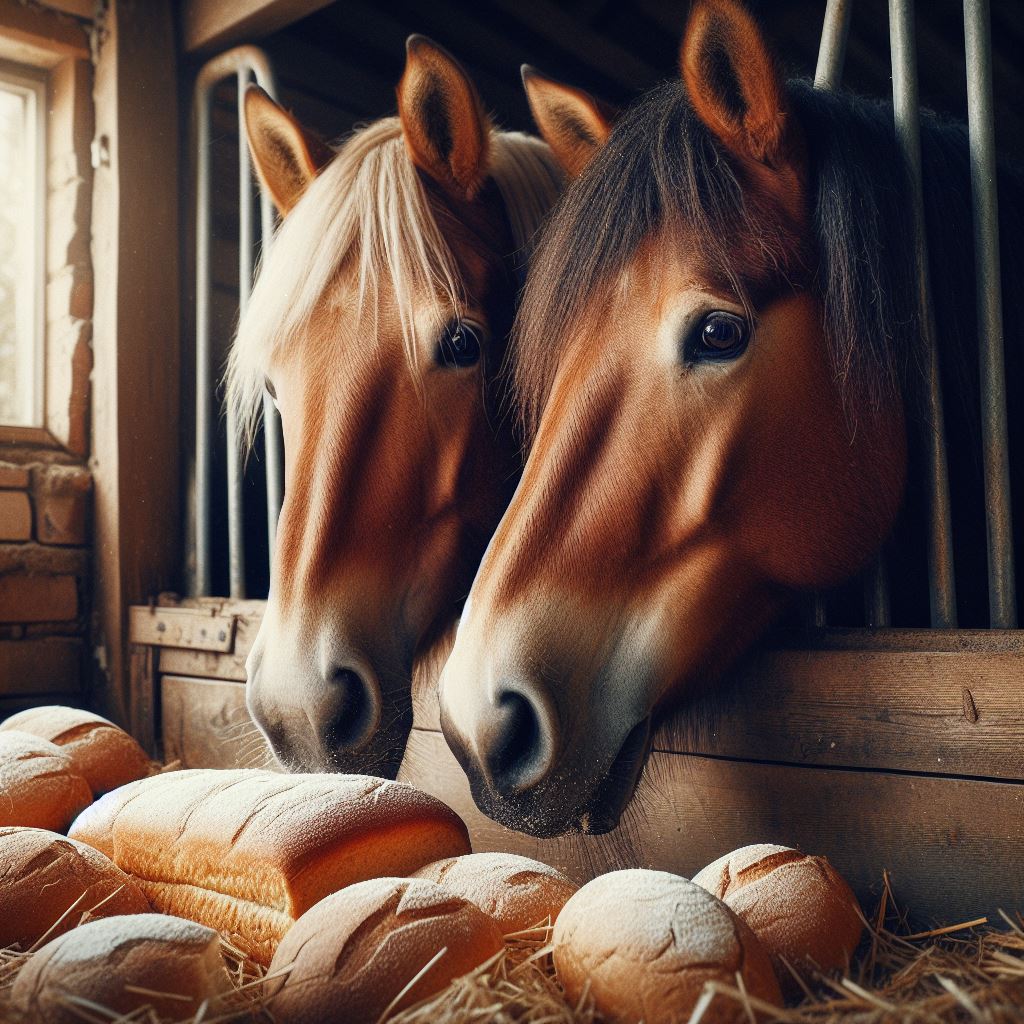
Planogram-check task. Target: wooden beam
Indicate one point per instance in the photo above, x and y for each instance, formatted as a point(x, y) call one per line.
point(42, 38)
point(209, 25)
point(135, 327)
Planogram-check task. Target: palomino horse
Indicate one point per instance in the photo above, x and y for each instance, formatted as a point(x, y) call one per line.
point(718, 356)
point(378, 324)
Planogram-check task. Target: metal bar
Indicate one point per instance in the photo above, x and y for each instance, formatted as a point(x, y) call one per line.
point(832, 51)
point(995, 448)
point(877, 606)
point(942, 584)
point(241, 61)
point(204, 393)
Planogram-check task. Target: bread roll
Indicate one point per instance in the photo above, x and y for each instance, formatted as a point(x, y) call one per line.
point(517, 892)
point(798, 906)
point(177, 964)
point(647, 941)
point(353, 954)
point(104, 755)
point(37, 786)
point(248, 851)
point(48, 883)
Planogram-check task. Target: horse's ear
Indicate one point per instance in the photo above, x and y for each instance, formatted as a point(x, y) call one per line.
point(446, 130)
point(572, 122)
point(735, 88)
point(286, 155)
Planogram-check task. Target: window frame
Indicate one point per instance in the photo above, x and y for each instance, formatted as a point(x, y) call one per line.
point(33, 83)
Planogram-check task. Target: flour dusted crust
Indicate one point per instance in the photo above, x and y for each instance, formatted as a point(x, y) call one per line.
point(516, 891)
point(798, 906)
point(104, 755)
point(38, 787)
point(356, 950)
point(48, 883)
point(249, 851)
point(163, 955)
point(647, 941)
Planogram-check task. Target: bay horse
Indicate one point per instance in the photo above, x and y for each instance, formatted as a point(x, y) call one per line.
point(719, 363)
point(378, 323)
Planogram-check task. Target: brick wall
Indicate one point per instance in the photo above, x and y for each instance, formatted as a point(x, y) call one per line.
point(44, 580)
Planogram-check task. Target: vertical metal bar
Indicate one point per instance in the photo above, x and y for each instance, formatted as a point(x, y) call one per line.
point(832, 51)
point(236, 531)
point(273, 445)
point(877, 606)
point(204, 436)
point(996, 458)
point(942, 585)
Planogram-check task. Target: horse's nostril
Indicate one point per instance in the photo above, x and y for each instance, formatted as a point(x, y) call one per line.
point(520, 748)
point(354, 710)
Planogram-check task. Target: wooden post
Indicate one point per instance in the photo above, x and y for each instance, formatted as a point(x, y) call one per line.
point(136, 335)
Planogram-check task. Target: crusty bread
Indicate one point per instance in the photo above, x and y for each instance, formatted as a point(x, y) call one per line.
point(647, 941)
point(517, 892)
point(37, 785)
point(349, 958)
point(798, 906)
point(123, 964)
point(104, 755)
point(248, 851)
point(49, 883)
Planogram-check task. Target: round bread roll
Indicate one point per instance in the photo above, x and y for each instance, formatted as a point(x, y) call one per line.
point(37, 785)
point(104, 755)
point(352, 954)
point(517, 892)
point(48, 883)
point(798, 906)
point(647, 941)
point(176, 964)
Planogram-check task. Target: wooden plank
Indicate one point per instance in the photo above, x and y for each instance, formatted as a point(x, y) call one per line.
point(206, 725)
point(43, 38)
point(205, 664)
point(954, 847)
point(142, 712)
point(208, 25)
point(136, 371)
point(182, 627)
point(41, 668)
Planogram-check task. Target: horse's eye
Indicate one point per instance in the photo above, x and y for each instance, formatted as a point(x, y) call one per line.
point(459, 345)
point(720, 336)
point(269, 385)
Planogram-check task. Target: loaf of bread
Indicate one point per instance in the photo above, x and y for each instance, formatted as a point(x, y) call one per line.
point(37, 784)
point(517, 892)
point(49, 884)
point(122, 964)
point(798, 906)
point(647, 941)
point(248, 851)
point(362, 951)
point(104, 755)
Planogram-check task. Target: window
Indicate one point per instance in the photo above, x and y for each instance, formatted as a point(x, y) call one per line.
point(22, 248)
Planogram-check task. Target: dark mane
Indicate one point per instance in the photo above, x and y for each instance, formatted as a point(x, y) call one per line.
point(662, 165)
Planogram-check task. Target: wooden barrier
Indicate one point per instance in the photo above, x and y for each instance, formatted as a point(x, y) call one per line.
point(894, 749)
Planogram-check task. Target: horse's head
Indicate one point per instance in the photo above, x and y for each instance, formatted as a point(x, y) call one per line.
point(700, 450)
point(378, 323)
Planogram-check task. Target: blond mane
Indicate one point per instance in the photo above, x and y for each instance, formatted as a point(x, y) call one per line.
point(370, 206)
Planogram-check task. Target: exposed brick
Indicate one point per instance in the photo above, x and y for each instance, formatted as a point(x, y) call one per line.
point(69, 293)
point(43, 560)
point(13, 476)
point(15, 516)
point(62, 497)
point(40, 666)
point(38, 598)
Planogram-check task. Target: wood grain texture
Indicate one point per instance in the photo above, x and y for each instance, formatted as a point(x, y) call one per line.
point(214, 24)
point(196, 629)
point(954, 848)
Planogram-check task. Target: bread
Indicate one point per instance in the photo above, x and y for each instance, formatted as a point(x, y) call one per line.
point(37, 785)
point(517, 892)
point(354, 954)
point(104, 755)
point(176, 964)
point(798, 906)
point(48, 883)
point(248, 851)
point(647, 941)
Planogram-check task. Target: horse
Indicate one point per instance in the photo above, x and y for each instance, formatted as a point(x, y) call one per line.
point(720, 368)
point(378, 323)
